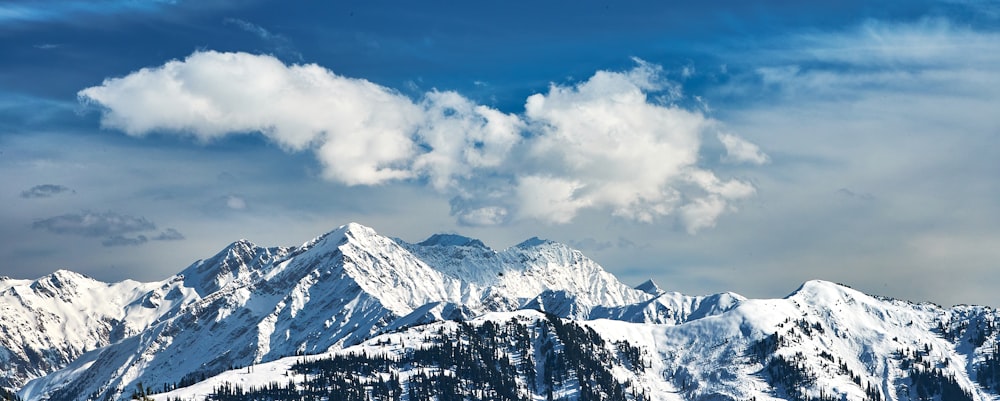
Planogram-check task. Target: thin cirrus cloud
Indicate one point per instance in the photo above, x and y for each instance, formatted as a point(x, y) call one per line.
point(112, 228)
point(611, 142)
point(35, 11)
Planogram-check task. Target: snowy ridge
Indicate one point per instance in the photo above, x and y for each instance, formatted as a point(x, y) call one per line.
point(509, 279)
point(671, 308)
point(823, 342)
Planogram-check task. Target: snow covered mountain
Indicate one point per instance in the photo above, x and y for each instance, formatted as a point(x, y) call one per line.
point(356, 314)
point(249, 304)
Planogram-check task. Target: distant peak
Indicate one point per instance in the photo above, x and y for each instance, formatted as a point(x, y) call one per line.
point(240, 248)
point(346, 232)
point(822, 288)
point(64, 274)
point(355, 230)
point(649, 287)
point(533, 242)
point(58, 279)
point(452, 240)
point(242, 243)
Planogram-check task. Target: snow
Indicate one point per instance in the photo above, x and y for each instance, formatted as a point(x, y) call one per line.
point(352, 288)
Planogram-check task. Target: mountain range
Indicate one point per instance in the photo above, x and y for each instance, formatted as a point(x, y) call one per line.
point(353, 314)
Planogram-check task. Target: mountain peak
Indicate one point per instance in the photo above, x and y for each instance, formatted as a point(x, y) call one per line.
point(821, 291)
point(234, 261)
point(533, 242)
point(59, 280)
point(452, 240)
point(649, 287)
point(353, 231)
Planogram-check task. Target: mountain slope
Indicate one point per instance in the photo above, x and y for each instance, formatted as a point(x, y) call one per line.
point(49, 322)
point(823, 342)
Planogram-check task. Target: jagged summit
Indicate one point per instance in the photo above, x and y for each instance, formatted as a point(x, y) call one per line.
point(237, 262)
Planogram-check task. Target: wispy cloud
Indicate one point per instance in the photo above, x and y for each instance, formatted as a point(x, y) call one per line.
point(114, 229)
point(612, 142)
point(35, 11)
point(94, 224)
point(169, 234)
point(121, 240)
point(278, 43)
point(45, 191)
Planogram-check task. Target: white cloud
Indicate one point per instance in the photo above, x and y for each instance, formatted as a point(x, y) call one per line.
point(931, 42)
point(484, 216)
point(549, 199)
point(359, 130)
point(612, 142)
point(702, 213)
point(461, 137)
point(604, 143)
point(739, 150)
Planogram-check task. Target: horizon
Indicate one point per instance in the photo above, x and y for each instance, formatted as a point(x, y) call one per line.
point(732, 147)
point(636, 286)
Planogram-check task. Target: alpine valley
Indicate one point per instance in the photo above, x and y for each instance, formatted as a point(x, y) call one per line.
point(353, 315)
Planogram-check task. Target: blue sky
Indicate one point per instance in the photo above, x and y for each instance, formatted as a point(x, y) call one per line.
point(732, 147)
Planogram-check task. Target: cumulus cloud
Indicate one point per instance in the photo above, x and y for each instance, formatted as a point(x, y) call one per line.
point(483, 216)
point(44, 191)
point(93, 224)
point(605, 143)
point(461, 137)
point(614, 141)
point(702, 213)
point(359, 131)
